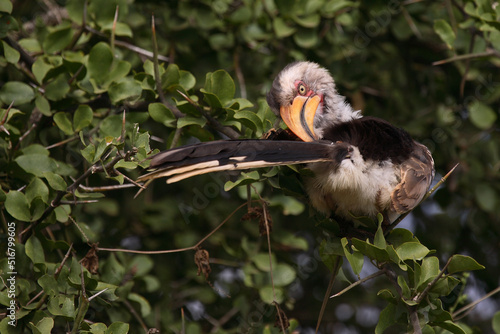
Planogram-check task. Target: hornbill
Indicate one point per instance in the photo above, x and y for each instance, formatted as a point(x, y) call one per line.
point(361, 165)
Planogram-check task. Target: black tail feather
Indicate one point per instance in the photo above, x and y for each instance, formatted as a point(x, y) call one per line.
point(215, 156)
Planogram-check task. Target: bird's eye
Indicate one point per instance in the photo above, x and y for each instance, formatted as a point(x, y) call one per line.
point(302, 89)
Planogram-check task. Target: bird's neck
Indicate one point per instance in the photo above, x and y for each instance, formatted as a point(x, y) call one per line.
point(339, 111)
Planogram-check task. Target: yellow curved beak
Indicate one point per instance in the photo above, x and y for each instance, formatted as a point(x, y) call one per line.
point(299, 116)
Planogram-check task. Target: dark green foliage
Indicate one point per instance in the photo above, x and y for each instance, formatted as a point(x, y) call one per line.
point(84, 101)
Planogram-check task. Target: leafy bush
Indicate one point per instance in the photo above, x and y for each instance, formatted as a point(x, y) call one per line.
point(90, 89)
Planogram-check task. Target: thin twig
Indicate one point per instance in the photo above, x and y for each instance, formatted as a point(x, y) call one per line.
point(420, 296)
point(128, 46)
point(106, 188)
point(113, 30)
point(175, 250)
point(97, 294)
point(239, 73)
point(136, 315)
point(4, 119)
point(358, 282)
point(129, 179)
point(487, 53)
point(268, 234)
point(80, 31)
point(335, 271)
point(177, 136)
point(62, 142)
point(411, 23)
point(474, 303)
point(80, 202)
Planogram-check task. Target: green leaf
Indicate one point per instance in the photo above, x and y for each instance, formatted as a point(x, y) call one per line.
point(121, 29)
point(249, 119)
point(371, 251)
point(221, 85)
point(283, 274)
point(445, 32)
point(49, 285)
point(261, 261)
point(128, 90)
point(388, 295)
point(405, 290)
point(290, 205)
point(112, 126)
point(482, 115)
point(58, 39)
point(17, 92)
point(171, 77)
point(63, 122)
point(17, 206)
point(41, 67)
point(266, 294)
point(7, 23)
point(37, 188)
point(429, 269)
point(43, 105)
point(143, 303)
point(119, 70)
point(386, 318)
point(36, 164)
point(355, 258)
point(449, 326)
point(412, 251)
point(379, 240)
point(126, 164)
point(244, 179)
point(306, 38)
point(211, 99)
point(99, 63)
point(11, 55)
point(88, 153)
point(460, 263)
point(399, 236)
point(161, 114)
point(62, 305)
point(189, 120)
point(496, 323)
point(281, 29)
point(309, 21)
point(57, 89)
point(221, 41)
point(118, 327)
point(83, 117)
point(6, 6)
point(36, 149)
point(44, 326)
point(34, 250)
point(187, 80)
point(62, 213)
point(291, 240)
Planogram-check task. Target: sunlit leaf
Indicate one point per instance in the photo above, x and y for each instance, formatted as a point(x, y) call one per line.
point(444, 30)
point(460, 263)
